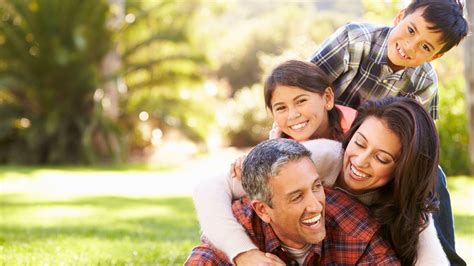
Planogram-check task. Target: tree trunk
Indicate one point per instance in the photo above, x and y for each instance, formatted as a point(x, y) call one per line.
point(112, 62)
point(469, 73)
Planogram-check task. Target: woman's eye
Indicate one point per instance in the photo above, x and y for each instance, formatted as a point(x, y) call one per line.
point(280, 108)
point(426, 48)
point(358, 144)
point(410, 30)
point(382, 160)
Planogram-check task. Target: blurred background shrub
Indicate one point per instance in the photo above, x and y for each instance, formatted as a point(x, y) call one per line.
point(114, 81)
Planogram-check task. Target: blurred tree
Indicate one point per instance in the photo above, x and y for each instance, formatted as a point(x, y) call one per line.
point(50, 54)
point(469, 74)
point(162, 69)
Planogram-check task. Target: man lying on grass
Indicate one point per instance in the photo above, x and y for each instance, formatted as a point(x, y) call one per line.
point(291, 217)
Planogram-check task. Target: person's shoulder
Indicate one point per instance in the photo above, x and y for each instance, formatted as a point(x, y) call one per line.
point(362, 31)
point(424, 72)
point(244, 213)
point(207, 254)
point(346, 215)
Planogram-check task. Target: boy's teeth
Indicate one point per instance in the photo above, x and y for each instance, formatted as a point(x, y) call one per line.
point(401, 52)
point(358, 173)
point(298, 126)
point(312, 220)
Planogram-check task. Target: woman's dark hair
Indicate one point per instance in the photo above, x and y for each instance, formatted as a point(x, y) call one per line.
point(405, 203)
point(306, 76)
point(446, 16)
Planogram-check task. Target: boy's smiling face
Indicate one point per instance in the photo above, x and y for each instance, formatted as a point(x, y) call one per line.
point(412, 42)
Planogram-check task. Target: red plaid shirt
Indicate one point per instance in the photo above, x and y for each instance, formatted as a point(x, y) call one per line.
point(351, 237)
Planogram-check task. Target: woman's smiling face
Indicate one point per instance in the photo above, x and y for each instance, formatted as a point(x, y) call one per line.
point(301, 114)
point(370, 157)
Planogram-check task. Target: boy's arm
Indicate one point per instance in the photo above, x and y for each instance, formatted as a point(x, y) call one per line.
point(428, 98)
point(333, 55)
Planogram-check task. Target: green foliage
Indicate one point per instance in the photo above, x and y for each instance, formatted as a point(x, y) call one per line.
point(452, 125)
point(163, 69)
point(245, 120)
point(50, 54)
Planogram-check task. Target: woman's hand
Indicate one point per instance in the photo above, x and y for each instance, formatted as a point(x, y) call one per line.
point(236, 168)
point(257, 257)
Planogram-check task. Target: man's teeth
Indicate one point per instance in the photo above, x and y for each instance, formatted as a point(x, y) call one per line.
point(358, 173)
point(313, 220)
point(298, 126)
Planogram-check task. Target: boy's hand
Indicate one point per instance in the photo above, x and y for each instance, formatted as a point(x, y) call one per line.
point(257, 257)
point(236, 168)
point(275, 132)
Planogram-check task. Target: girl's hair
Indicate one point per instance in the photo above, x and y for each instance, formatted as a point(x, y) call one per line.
point(408, 198)
point(306, 76)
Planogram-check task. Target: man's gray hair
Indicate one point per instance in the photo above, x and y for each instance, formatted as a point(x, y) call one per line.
point(265, 161)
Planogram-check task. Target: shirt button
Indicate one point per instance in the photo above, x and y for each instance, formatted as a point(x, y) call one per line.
point(385, 81)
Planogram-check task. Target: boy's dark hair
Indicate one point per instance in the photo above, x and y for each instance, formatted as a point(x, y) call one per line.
point(447, 18)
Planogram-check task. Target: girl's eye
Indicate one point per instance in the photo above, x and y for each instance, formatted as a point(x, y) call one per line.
point(410, 30)
point(301, 101)
point(426, 48)
point(280, 108)
point(358, 144)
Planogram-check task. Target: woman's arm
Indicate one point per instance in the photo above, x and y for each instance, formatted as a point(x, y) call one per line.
point(213, 201)
point(429, 249)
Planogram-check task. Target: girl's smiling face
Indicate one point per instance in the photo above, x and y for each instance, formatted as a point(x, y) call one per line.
point(302, 114)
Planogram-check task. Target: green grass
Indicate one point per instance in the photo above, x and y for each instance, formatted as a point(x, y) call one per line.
point(125, 230)
point(96, 230)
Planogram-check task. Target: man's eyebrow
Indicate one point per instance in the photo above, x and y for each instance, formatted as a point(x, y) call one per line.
point(416, 30)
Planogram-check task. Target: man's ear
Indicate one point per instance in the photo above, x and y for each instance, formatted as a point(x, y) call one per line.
point(436, 56)
point(262, 210)
point(399, 17)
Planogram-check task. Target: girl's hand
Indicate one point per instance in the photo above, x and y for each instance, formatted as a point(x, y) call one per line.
point(257, 257)
point(275, 132)
point(236, 168)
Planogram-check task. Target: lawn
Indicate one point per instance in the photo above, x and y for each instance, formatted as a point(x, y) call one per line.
point(55, 229)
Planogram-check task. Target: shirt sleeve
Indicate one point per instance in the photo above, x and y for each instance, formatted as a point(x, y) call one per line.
point(333, 55)
point(429, 249)
point(428, 98)
point(213, 201)
point(378, 252)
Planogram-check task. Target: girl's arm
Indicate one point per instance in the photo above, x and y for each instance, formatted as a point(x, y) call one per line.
point(429, 249)
point(213, 201)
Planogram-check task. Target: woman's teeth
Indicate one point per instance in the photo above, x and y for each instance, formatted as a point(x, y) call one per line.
point(358, 173)
point(298, 126)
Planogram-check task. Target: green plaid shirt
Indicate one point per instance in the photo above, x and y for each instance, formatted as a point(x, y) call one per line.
point(355, 57)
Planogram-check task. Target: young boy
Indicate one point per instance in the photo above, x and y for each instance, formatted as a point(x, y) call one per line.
point(367, 61)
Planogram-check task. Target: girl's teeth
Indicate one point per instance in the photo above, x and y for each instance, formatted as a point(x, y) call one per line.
point(298, 126)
